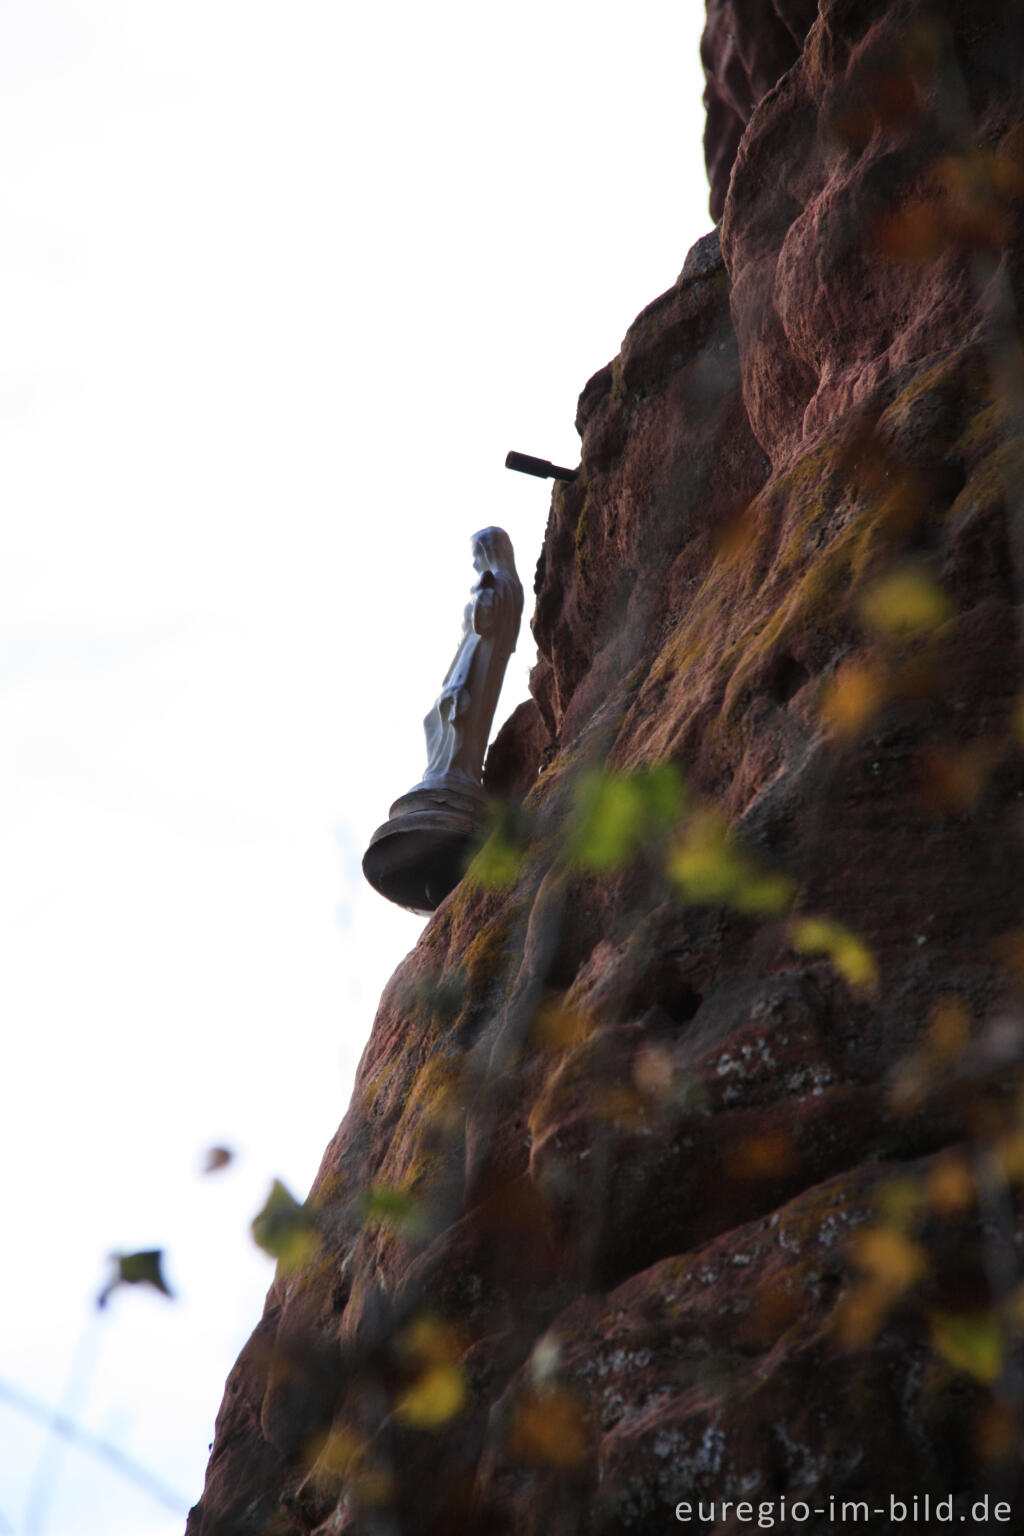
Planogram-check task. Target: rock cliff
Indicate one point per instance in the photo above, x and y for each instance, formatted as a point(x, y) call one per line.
point(683, 1160)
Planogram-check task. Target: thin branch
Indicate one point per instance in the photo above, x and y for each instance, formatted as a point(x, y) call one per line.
point(93, 1445)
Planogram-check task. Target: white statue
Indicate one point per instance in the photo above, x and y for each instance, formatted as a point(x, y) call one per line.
point(420, 852)
point(458, 726)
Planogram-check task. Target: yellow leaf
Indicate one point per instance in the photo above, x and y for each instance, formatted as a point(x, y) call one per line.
point(438, 1395)
point(848, 953)
point(899, 1203)
point(704, 865)
point(765, 894)
point(970, 1341)
point(432, 1341)
point(904, 603)
point(708, 867)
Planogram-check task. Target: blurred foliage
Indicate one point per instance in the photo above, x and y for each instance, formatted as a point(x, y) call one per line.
point(707, 867)
point(142, 1268)
point(848, 953)
point(507, 833)
point(904, 603)
point(854, 697)
point(438, 1393)
point(972, 1342)
point(385, 1206)
point(549, 1429)
point(650, 823)
point(285, 1229)
point(618, 815)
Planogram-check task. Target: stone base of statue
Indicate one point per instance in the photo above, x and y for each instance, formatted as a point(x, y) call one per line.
point(420, 853)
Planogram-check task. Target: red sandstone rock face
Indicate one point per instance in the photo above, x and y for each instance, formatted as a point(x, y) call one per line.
point(682, 1193)
point(747, 46)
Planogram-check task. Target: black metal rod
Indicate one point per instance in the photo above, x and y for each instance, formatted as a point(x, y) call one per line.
point(542, 468)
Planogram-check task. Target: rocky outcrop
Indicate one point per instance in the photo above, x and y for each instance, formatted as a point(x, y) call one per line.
point(683, 1156)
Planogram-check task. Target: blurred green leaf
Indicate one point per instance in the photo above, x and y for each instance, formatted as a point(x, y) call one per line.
point(391, 1207)
point(507, 832)
point(707, 866)
point(285, 1229)
point(970, 1341)
point(441, 999)
point(616, 813)
point(142, 1268)
point(497, 864)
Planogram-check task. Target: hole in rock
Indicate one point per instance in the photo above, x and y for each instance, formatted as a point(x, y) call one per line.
point(944, 486)
point(682, 1003)
point(668, 1010)
point(786, 678)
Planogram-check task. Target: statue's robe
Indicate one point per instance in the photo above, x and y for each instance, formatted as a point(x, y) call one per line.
point(459, 724)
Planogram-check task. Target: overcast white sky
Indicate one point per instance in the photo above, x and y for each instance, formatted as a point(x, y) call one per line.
point(280, 284)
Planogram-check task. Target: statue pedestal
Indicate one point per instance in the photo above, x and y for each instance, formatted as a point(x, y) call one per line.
point(421, 851)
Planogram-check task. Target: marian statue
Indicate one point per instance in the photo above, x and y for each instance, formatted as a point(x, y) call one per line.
point(458, 725)
point(420, 853)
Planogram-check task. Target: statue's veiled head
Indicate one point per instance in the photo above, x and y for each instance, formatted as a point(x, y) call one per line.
point(492, 550)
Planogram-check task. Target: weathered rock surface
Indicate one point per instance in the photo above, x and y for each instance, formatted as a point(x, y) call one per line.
point(682, 1160)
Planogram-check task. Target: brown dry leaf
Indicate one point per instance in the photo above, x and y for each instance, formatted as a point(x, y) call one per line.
point(558, 1027)
point(914, 234)
point(948, 1035)
point(949, 1028)
point(911, 1084)
point(853, 697)
point(654, 1073)
point(550, 1429)
point(995, 1432)
point(1009, 952)
point(860, 1314)
point(621, 1105)
point(949, 1185)
point(978, 186)
point(953, 779)
point(775, 1309)
point(891, 1263)
point(892, 1260)
point(768, 1156)
point(1008, 1153)
point(734, 538)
